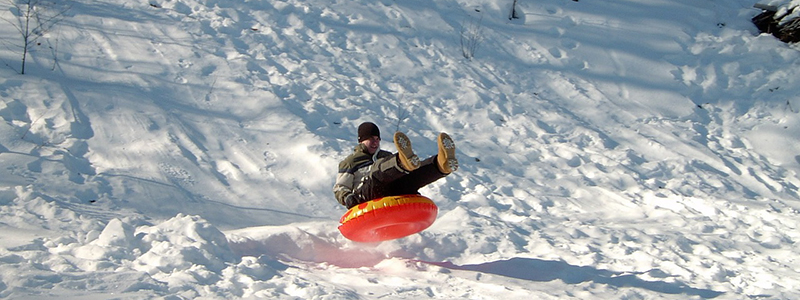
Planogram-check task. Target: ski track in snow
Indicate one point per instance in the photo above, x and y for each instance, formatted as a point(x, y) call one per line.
point(186, 149)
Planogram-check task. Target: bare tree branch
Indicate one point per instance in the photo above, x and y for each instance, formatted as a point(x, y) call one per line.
point(471, 36)
point(33, 19)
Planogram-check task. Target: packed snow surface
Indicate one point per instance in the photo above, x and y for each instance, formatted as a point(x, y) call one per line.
point(179, 149)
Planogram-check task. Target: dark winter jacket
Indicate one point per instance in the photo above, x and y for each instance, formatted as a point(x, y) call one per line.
point(353, 169)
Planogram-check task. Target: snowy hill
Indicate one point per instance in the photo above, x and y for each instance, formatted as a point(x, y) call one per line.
point(610, 150)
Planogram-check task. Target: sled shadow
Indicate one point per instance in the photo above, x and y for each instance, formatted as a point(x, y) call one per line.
point(543, 270)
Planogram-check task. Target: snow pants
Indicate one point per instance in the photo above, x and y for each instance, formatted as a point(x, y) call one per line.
point(387, 178)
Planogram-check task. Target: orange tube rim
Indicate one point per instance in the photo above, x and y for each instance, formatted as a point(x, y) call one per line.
point(388, 218)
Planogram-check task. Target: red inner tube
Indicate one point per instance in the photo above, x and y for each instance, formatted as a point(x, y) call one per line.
point(388, 218)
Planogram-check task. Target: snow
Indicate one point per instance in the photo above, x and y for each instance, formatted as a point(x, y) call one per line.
point(185, 149)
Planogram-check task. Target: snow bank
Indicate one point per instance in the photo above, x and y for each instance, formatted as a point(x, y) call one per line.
point(184, 256)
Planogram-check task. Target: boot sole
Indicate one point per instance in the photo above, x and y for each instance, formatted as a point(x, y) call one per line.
point(448, 148)
point(403, 145)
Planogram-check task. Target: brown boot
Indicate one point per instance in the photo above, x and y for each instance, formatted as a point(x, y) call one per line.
point(446, 160)
point(405, 155)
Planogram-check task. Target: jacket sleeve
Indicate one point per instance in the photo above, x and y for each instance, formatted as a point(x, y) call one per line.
point(344, 184)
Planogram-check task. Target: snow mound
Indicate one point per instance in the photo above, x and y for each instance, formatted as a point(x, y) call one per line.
point(183, 255)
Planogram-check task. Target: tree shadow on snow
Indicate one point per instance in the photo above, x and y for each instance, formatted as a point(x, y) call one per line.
point(543, 270)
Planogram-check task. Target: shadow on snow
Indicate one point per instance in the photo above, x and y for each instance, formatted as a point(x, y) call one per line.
point(543, 270)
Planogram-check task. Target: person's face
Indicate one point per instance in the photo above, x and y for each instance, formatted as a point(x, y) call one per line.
point(373, 144)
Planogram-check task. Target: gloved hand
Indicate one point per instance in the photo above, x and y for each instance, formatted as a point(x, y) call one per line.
point(352, 200)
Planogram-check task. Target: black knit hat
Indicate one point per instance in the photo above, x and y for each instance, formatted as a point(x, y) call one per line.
point(367, 130)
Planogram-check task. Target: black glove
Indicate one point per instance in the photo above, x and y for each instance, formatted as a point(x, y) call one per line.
point(352, 200)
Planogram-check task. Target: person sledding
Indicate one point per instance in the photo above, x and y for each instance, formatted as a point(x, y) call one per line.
point(371, 173)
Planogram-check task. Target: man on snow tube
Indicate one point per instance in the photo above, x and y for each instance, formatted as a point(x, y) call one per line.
point(370, 173)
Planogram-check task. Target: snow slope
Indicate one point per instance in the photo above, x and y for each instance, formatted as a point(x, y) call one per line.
point(613, 150)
